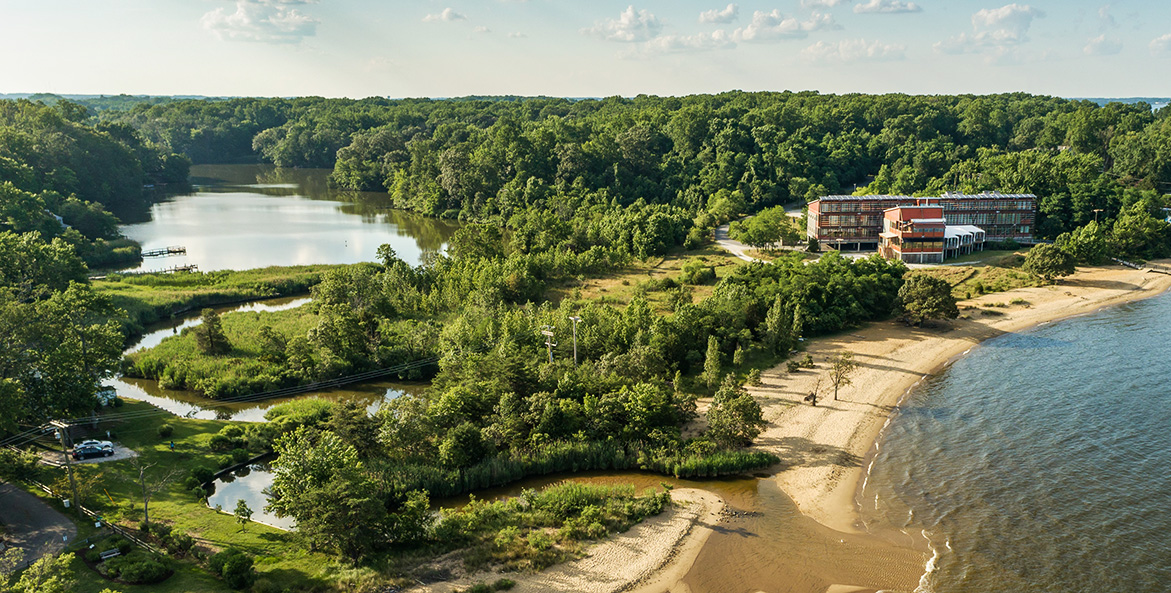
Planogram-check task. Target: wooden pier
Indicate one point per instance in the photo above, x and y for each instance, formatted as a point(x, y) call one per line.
point(165, 251)
point(170, 270)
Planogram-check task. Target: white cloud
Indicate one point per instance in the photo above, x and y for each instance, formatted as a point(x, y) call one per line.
point(631, 25)
point(774, 26)
point(449, 14)
point(264, 21)
point(517, 35)
point(1102, 46)
point(1106, 19)
point(727, 15)
point(887, 6)
point(686, 43)
point(854, 50)
point(1161, 46)
point(823, 3)
point(999, 30)
point(481, 29)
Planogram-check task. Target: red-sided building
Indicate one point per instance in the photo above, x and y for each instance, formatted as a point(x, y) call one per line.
point(914, 233)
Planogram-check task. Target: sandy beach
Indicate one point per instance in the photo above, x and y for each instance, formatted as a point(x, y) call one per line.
point(826, 448)
point(815, 541)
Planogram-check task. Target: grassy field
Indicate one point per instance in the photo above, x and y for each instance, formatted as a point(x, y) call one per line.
point(150, 298)
point(109, 489)
point(997, 271)
point(644, 278)
point(178, 363)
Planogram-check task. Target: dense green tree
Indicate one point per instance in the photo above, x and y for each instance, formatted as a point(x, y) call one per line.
point(1086, 244)
point(320, 482)
point(734, 418)
point(711, 362)
point(209, 334)
point(922, 298)
point(462, 446)
point(1048, 261)
point(50, 574)
point(56, 352)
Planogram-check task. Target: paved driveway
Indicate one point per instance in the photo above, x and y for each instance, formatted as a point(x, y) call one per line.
point(32, 525)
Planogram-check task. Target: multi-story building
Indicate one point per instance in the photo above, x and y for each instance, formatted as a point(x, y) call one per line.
point(914, 233)
point(855, 222)
point(918, 234)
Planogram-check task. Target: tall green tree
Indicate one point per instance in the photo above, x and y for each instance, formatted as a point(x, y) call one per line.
point(209, 334)
point(711, 362)
point(1048, 261)
point(319, 481)
point(734, 418)
point(922, 298)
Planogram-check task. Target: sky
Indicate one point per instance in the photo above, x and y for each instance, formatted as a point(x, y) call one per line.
point(583, 48)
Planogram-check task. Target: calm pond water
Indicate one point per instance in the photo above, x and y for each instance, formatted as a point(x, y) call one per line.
point(252, 216)
point(248, 484)
point(1039, 462)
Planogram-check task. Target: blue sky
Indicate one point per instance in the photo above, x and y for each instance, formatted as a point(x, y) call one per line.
point(359, 48)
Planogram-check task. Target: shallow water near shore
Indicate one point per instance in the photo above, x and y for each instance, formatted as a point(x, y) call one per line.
point(1038, 462)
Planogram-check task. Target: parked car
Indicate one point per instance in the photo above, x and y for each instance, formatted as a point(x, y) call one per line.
point(98, 444)
point(80, 452)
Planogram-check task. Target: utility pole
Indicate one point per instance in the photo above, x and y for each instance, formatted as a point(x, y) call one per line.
point(63, 432)
point(575, 319)
point(547, 331)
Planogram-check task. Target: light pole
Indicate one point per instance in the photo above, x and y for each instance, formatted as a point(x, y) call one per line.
point(1096, 211)
point(547, 331)
point(575, 319)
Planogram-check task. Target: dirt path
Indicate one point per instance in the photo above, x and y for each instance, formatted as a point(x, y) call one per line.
point(32, 525)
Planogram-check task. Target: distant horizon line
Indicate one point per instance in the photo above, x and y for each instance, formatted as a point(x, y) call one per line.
point(83, 96)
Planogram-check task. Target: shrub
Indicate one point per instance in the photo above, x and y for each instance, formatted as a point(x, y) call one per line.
point(166, 430)
point(792, 366)
point(178, 544)
point(539, 540)
point(203, 474)
point(234, 566)
point(807, 362)
point(138, 568)
point(697, 272)
point(754, 377)
point(503, 584)
point(240, 455)
point(116, 402)
point(221, 442)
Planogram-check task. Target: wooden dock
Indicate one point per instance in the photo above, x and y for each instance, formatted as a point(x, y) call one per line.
point(165, 251)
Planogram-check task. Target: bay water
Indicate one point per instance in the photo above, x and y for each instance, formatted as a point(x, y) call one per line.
point(1040, 460)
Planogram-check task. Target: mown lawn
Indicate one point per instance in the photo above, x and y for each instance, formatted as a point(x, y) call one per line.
point(278, 557)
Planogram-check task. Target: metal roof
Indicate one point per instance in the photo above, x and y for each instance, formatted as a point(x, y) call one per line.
point(945, 195)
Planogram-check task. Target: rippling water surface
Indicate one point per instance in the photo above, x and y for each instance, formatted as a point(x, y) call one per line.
point(1041, 461)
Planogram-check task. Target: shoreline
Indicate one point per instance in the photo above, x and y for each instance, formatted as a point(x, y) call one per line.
point(826, 454)
point(893, 359)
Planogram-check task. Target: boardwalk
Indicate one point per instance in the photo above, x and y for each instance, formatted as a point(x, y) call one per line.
point(165, 251)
